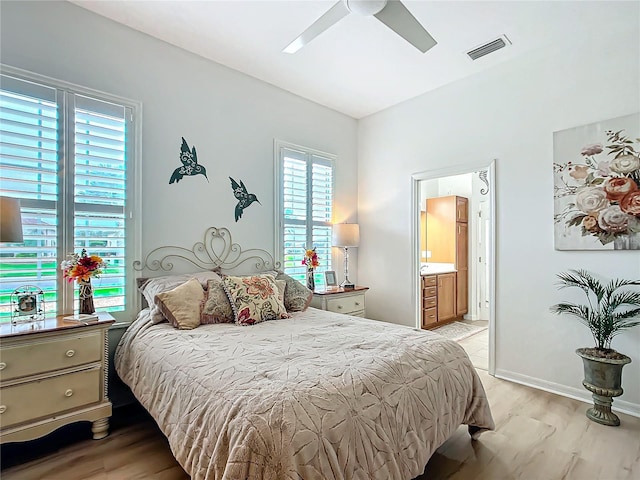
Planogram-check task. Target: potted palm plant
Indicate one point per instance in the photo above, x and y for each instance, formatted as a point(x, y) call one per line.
point(611, 308)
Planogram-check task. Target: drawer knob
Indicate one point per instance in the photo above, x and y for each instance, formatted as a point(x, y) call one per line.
point(339, 307)
point(3, 365)
point(70, 353)
point(3, 408)
point(357, 304)
point(68, 393)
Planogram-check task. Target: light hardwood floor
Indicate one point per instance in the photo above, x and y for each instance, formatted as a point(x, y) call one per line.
point(538, 436)
point(477, 346)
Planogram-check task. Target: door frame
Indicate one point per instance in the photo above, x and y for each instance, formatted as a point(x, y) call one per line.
point(461, 169)
point(487, 258)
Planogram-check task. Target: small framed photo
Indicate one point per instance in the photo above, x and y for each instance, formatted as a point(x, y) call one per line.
point(330, 278)
point(27, 304)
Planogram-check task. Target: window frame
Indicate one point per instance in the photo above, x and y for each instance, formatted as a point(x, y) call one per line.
point(66, 156)
point(279, 221)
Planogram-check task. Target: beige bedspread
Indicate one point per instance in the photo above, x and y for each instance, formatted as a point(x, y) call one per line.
point(317, 396)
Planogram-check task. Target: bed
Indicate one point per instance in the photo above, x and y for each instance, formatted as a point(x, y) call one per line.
point(319, 395)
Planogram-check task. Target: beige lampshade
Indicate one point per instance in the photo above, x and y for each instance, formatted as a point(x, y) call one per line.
point(346, 235)
point(10, 220)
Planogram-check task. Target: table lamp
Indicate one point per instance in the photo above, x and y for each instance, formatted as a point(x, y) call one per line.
point(346, 235)
point(10, 220)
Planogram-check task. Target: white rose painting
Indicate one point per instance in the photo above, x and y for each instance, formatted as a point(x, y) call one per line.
point(597, 185)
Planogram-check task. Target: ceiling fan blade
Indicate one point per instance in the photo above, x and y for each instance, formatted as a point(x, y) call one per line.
point(396, 16)
point(332, 16)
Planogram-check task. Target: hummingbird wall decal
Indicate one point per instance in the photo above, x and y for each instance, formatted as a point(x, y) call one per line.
point(244, 198)
point(190, 166)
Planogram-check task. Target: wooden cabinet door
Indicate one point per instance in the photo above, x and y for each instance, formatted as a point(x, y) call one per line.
point(462, 209)
point(462, 293)
point(446, 296)
point(462, 246)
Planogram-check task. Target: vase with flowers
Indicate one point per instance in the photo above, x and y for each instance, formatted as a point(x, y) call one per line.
point(604, 192)
point(311, 261)
point(81, 267)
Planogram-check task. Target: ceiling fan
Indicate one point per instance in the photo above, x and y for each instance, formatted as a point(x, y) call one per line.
point(390, 12)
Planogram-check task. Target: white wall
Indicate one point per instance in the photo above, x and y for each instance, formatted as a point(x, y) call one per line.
point(508, 113)
point(231, 118)
point(455, 185)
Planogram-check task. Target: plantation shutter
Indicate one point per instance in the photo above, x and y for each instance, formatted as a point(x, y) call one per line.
point(71, 178)
point(29, 164)
point(100, 194)
point(307, 200)
point(322, 211)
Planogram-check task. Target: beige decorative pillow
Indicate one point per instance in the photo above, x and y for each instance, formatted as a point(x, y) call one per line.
point(151, 287)
point(297, 297)
point(282, 287)
point(216, 307)
point(181, 306)
point(255, 299)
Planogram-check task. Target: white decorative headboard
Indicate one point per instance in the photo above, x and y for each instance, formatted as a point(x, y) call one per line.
point(216, 252)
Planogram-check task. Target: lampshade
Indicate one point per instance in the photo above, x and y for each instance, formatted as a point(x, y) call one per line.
point(346, 235)
point(10, 220)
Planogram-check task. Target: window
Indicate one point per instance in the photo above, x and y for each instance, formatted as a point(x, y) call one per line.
point(68, 154)
point(305, 182)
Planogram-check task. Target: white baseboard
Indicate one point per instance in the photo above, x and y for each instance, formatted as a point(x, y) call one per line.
point(622, 406)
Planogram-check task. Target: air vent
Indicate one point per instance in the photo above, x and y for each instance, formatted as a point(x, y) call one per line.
point(488, 48)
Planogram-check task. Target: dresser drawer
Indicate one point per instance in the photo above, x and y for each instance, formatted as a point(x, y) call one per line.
point(430, 302)
point(430, 292)
point(48, 355)
point(32, 400)
point(429, 281)
point(429, 316)
point(352, 303)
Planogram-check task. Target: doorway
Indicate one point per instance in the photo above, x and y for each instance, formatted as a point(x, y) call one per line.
point(476, 184)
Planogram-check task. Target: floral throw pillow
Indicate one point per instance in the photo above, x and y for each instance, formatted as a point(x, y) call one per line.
point(216, 307)
point(255, 298)
point(297, 297)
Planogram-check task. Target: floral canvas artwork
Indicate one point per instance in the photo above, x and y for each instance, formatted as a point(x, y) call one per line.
point(597, 185)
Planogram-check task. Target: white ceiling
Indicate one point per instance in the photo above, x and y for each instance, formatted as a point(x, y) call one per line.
point(359, 66)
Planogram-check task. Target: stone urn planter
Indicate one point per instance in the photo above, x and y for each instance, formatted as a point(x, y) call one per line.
point(611, 308)
point(603, 378)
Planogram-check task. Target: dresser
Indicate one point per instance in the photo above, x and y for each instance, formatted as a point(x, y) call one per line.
point(52, 373)
point(339, 300)
point(429, 288)
point(438, 299)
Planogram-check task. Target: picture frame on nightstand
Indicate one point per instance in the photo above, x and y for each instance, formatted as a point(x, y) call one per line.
point(27, 304)
point(330, 278)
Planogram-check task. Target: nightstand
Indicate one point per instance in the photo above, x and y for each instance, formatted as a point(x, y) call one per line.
point(52, 373)
point(339, 300)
